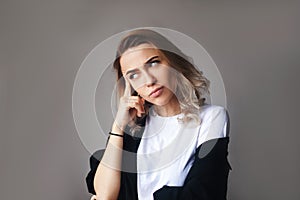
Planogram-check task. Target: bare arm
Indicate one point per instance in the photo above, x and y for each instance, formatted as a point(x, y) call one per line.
point(108, 175)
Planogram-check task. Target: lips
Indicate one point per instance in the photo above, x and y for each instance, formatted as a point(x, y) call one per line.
point(156, 92)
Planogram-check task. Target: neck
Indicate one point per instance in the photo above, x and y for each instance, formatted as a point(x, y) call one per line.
point(170, 109)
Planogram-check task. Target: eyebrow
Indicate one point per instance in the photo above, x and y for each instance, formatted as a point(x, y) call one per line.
point(147, 62)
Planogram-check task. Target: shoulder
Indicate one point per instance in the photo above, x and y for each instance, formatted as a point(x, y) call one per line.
point(213, 114)
point(213, 111)
point(214, 123)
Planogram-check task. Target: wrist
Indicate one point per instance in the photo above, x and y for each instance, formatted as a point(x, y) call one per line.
point(116, 129)
point(116, 134)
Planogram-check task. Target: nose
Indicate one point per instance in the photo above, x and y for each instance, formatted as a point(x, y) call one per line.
point(149, 79)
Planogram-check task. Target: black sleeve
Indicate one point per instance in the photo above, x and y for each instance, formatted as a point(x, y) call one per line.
point(94, 162)
point(207, 179)
point(128, 189)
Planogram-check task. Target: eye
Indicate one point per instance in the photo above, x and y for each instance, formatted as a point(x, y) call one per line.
point(154, 63)
point(133, 76)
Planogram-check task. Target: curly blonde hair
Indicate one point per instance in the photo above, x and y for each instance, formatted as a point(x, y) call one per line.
point(193, 84)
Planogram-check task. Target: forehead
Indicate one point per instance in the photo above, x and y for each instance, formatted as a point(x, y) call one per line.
point(137, 56)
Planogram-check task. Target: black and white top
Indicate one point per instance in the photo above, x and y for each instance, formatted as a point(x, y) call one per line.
point(165, 154)
point(173, 160)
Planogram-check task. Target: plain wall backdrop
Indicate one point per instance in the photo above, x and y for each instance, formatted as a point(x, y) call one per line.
point(42, 44)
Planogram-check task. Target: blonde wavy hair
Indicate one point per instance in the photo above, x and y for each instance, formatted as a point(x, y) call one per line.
point(192, 84)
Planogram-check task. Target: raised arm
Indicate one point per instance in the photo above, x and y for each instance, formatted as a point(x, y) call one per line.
point(108, 175)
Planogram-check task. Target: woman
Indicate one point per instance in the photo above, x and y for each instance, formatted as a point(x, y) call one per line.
point(165, 142)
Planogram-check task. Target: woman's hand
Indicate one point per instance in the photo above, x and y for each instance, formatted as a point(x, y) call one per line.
point(129, 107)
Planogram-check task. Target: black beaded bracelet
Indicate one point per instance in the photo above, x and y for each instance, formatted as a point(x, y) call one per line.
point(110, 133)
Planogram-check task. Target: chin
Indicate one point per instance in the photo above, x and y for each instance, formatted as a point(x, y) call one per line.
point(160, 101)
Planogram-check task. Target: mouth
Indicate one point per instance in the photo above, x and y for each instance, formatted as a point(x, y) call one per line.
point(157, 92)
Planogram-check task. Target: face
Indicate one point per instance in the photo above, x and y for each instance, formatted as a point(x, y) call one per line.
point(149, 73)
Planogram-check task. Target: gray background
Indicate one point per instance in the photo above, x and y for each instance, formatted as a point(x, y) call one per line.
point(42, 44)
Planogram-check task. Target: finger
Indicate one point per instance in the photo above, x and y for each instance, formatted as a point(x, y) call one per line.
point(139, 108)
point(142, 102)
point(135, 102)
point(136, 99)
point(127, 91)
point(131, 99)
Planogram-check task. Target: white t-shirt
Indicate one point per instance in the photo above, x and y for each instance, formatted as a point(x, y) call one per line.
point(165, 153)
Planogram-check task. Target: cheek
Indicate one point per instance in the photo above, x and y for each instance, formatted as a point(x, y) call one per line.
point(162, 74)
point(142, 92)
point(167, 77)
